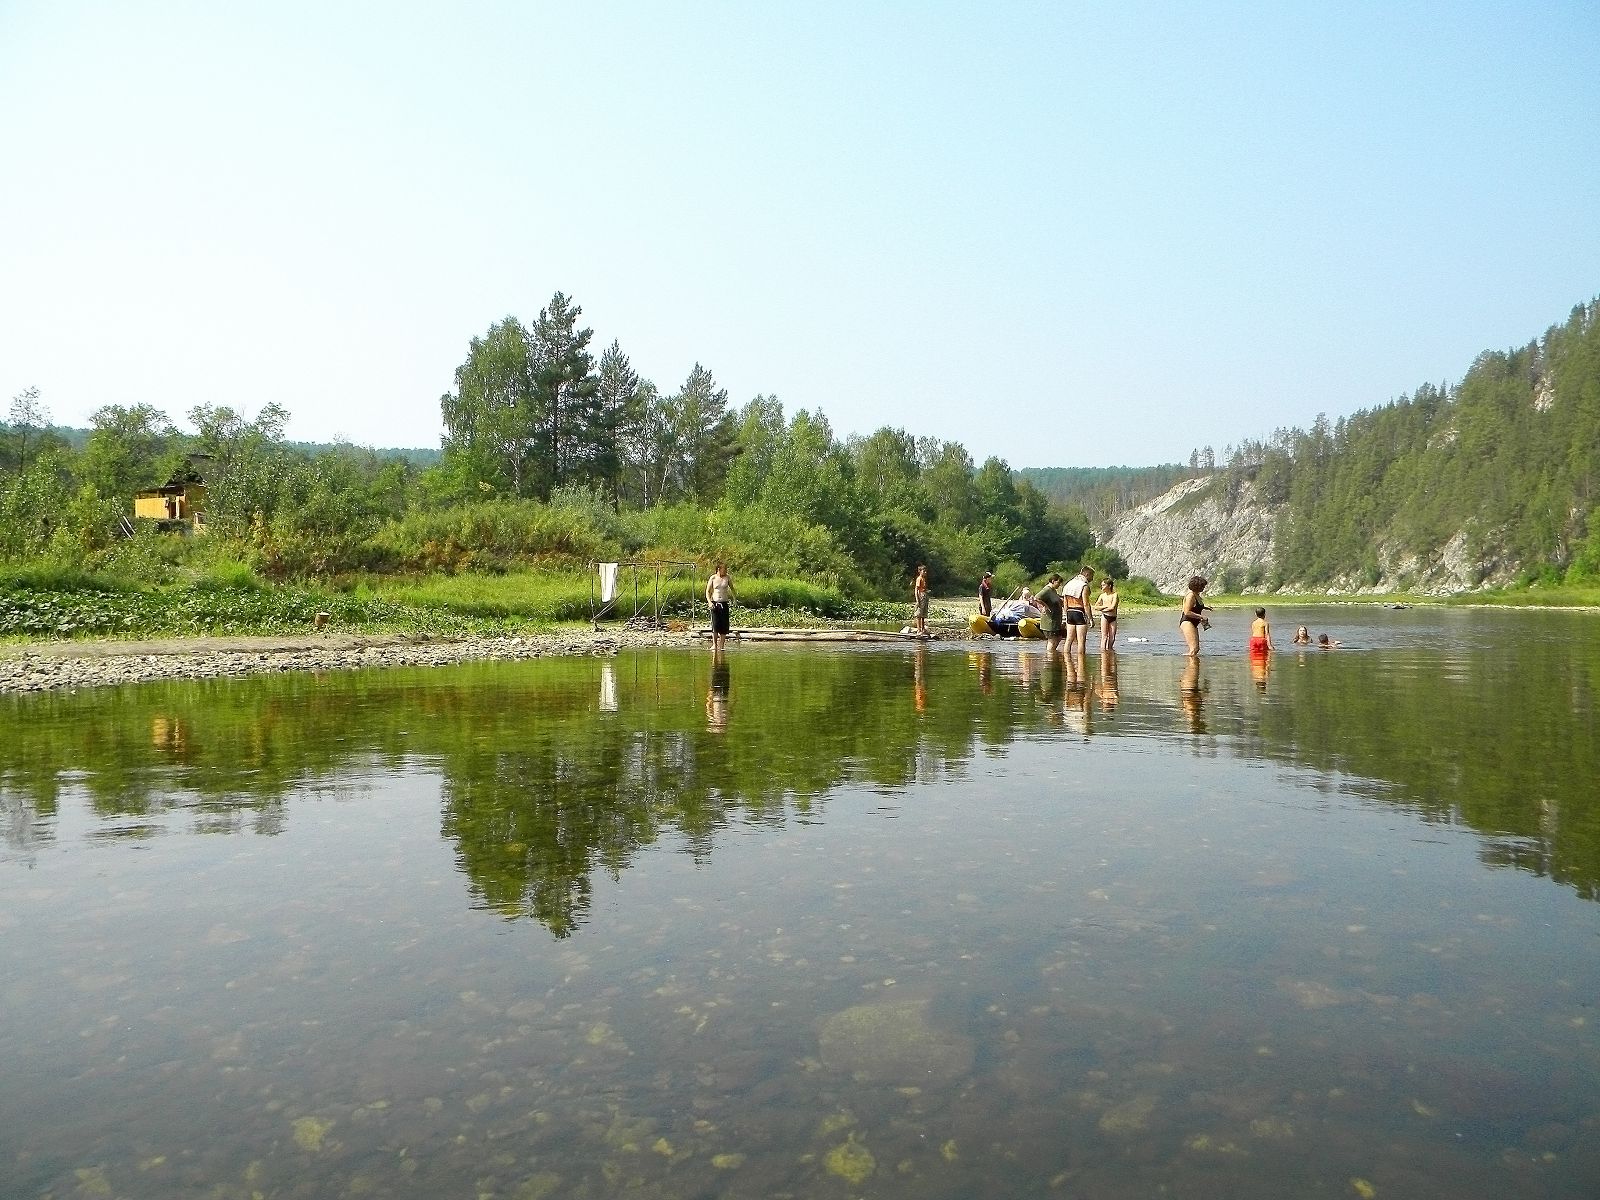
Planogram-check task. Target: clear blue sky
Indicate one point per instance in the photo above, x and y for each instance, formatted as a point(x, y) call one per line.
point(1064, 234)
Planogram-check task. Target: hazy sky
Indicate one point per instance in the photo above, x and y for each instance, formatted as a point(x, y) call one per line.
point(1065, 234)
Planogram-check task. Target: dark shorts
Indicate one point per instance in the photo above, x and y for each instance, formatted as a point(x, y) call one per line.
point(1076, 616)
point(721, 616)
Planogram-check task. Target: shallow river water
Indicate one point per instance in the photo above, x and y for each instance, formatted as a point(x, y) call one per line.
point(819, 921)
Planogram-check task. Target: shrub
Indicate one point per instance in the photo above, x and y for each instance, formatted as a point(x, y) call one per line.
point(495, 535)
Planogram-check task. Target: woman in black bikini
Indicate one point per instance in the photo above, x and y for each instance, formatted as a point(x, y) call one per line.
point(1192, 619)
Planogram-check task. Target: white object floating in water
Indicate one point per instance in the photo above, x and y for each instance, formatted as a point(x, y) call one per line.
point(1138, 640)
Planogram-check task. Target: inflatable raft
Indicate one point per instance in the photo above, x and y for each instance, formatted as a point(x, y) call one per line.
point(1009, 621)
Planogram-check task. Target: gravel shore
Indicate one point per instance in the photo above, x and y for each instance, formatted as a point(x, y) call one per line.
point(51, 666)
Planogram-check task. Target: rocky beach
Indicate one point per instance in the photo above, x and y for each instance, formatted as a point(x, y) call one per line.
point(52, 666)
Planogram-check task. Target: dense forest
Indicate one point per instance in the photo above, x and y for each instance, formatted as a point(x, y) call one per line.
point(551, 456)
point(1508, 459)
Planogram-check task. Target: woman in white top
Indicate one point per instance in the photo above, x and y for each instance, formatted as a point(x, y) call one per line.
point(719, 599)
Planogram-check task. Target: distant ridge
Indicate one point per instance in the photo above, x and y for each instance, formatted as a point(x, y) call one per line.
point(1104, 492)
point(421, 456)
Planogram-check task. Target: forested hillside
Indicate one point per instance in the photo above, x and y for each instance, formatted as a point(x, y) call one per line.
point(1501, 470)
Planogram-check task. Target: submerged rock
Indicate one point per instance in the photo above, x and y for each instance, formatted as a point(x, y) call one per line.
point(894, 1042)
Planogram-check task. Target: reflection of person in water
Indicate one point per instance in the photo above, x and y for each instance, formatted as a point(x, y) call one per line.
point(1260, 666)
point(985, 672)
point(1075, 707)
point(1108, 680)
point(717, 696)
point(1190, 696)
point(919, 678)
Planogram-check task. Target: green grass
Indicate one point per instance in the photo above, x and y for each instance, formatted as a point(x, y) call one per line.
point(553, 597)
point(543, 597)
point(1565, 595)
point(230, 600)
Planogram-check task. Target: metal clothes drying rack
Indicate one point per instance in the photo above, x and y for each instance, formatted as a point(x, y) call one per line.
point(660, 573)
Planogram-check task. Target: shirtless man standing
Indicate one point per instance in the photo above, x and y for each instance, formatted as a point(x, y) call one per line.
point(1079, 617)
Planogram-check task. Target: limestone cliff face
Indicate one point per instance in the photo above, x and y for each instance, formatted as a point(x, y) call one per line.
point(1195, 529)
point(1198, 528)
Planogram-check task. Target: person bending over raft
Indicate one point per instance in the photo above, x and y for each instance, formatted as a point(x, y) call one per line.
point(1107, 606)
point(1049, 599)
point(1192, 618)
point(1260, 633)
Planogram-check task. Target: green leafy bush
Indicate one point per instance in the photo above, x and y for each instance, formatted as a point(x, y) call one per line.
point(495, 535)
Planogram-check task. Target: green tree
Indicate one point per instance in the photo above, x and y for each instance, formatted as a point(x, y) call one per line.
point(491, 421)
point(704, 435)
point(619, 410)
point(571, 439)
point(887, 470)
point(761, 435)
point(245, 464)
point(130, 448)
point(30, 423)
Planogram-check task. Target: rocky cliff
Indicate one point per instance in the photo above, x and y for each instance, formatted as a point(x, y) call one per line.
point(1202, 527)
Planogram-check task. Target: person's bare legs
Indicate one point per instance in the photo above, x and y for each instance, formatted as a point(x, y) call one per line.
point(1191, 637)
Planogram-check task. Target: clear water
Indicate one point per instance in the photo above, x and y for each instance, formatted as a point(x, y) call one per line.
point(933, 922)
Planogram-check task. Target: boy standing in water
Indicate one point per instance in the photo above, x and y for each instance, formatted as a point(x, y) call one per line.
point(1260, 634)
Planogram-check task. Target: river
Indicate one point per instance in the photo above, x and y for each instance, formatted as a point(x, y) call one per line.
point(944, 921)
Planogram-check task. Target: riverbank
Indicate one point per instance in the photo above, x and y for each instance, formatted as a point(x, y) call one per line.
point(55, 666)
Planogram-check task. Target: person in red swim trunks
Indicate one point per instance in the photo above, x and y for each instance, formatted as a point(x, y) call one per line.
point(1260, 633)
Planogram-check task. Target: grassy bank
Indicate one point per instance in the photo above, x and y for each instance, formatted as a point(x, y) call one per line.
point(49, 604)
point(38, 604)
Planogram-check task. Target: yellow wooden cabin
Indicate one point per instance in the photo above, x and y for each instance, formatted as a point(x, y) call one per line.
point(178, 504)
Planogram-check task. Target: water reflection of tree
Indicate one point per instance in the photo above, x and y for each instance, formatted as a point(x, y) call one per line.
point(547, 778)
point(535, 818)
